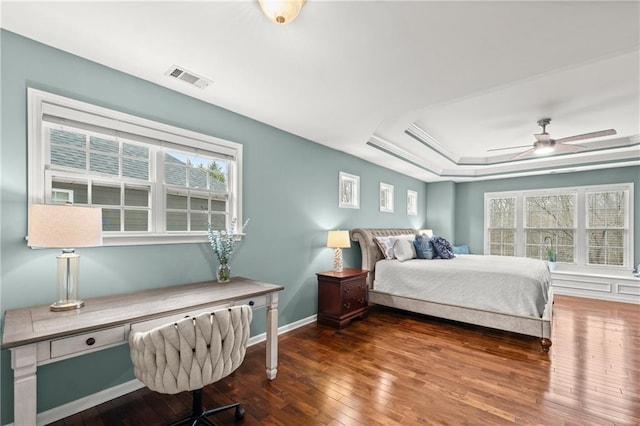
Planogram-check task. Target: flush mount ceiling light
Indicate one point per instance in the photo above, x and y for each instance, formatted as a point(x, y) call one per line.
point(281, 11)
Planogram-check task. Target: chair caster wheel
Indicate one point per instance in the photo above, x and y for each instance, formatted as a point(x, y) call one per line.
point(239, 413)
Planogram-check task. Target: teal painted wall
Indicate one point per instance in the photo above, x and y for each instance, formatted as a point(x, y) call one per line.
point(441, 207)
point(290, 195)
point(469, 199)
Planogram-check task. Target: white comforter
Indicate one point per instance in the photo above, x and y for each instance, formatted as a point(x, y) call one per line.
point(513, 285)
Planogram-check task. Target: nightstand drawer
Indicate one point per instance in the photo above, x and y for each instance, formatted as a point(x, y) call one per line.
point(87, 341)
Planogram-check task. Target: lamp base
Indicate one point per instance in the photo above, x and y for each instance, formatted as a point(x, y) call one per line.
point(337, 260)
point(66, 305)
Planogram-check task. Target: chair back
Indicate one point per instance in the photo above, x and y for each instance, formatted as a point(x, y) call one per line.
point(193, 352)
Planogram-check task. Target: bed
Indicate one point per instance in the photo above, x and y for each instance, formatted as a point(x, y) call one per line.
point(449, 288)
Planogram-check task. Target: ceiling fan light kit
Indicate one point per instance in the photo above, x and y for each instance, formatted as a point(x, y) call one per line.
point(281, 11)
point(545, 145)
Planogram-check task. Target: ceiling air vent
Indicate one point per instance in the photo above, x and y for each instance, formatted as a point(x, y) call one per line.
point(188, 77)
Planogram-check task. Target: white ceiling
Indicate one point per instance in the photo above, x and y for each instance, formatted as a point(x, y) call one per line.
point(355, 76)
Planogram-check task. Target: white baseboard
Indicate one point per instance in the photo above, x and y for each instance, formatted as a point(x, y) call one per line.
point(97, 398)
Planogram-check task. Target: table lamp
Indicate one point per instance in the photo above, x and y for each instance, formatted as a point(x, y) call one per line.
point(338, 240)
point(65, 226)
point(429, 232)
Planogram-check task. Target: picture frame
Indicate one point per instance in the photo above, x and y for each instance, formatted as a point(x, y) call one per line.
point(348, 191)
point(412, 203)
point(386, 197)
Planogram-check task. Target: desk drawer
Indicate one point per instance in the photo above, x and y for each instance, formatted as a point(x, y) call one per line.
point(254, 302)
point(87, 342)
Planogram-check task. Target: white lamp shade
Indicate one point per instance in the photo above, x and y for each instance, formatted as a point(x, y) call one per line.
point(281, 11)
point(338, 239)
point(429, 232)
point(64, 226)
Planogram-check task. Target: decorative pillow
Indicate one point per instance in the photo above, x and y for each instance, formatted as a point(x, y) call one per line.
point(404, 250)
point(442, 247)
point(386, 244)
point(424, 248)
point(461, 249)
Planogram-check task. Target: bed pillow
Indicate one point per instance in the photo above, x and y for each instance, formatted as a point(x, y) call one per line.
point(386, 244)
point(461, 249)
point(403, 249)
point(424, 248)
point(442, 247)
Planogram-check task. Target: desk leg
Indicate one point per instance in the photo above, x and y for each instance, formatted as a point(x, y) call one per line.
point(272, 335)
point(24, 361)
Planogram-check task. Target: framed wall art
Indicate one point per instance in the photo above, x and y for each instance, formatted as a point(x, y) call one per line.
point(386, 197)
point(412, 203)
point(349, 191)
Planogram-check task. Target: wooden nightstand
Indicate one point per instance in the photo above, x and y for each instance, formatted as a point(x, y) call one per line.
point(342, 296)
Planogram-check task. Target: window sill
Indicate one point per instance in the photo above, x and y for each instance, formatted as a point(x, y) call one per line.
point(148, 239)
point(591, 273)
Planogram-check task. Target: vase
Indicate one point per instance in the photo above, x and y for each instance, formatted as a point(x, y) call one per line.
point(224, 273)
point(553, 266)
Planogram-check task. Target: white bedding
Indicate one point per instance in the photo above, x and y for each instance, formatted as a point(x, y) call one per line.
point(513, 285)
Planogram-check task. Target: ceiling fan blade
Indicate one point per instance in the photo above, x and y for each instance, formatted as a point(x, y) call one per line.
point(569, 148)
point(524, 154)
point(509, 147)
point(598, 134)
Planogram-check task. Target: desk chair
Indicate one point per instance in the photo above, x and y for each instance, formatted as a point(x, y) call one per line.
point(192, 353)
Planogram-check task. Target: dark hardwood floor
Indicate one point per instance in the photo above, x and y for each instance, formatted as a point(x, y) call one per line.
point(398, 368)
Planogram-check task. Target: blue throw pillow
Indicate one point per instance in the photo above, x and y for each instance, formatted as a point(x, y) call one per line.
point(424, 248)
point(442, 247)
point(461, 249)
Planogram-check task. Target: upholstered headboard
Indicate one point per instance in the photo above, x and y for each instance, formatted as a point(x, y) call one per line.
point(369, 249)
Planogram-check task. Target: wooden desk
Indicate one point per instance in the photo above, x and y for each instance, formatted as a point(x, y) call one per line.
point(38, 336)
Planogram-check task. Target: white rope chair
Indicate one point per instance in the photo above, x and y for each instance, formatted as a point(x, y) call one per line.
point(192, 353)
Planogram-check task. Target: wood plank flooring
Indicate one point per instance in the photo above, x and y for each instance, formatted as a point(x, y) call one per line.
point(399, 368)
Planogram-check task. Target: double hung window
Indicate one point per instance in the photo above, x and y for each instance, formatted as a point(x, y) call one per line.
point(582, 227)
point(155, 183)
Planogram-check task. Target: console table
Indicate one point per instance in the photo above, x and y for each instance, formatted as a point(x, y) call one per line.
point(38, 336)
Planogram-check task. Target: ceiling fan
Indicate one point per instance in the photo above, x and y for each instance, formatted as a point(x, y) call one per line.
point(544, 145)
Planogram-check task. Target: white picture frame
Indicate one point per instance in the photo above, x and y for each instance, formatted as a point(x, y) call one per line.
point(348, 191)
point(412, 203)
point(386, 197)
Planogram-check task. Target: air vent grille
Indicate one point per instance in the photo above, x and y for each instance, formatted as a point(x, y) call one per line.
point(188, 77)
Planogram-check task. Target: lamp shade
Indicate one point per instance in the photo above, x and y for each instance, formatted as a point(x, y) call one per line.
point(338, 239)
point(281, 11)
point(429, 232)
point(64, 226)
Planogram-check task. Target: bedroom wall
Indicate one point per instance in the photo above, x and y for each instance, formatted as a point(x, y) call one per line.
point(290, 196)
point(441, 209)
point(469, 199)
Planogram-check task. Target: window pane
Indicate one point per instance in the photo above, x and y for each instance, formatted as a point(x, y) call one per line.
point(79, 191)
point(105, 195)
point(606, 209)
point(175, 169)
point(138, 151)
point(199, 204)
point(136, 197)
point(502, 212)
point(218, 205)
point(197, 177)
point(177, 201)
point(549, 211)
point(218, 171)
point(136, 220)
point(199, 222)
point(606, 247)
point(110, 220)
point(68, 149)
point(218, 221)
point(104, 145)
point(137, 169)
point(103, 163)
point(176, 221)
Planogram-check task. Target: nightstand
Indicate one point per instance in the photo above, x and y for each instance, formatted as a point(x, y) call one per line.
point(342, 296)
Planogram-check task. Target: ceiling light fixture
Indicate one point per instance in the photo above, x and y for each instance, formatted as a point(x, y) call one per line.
point(544, 147)
point(281, 11)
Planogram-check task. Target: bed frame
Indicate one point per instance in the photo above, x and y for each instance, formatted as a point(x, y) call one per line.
point(531, 326)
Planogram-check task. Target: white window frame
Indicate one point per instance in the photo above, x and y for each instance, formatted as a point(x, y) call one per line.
point(121, 124)
point(580, 255)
